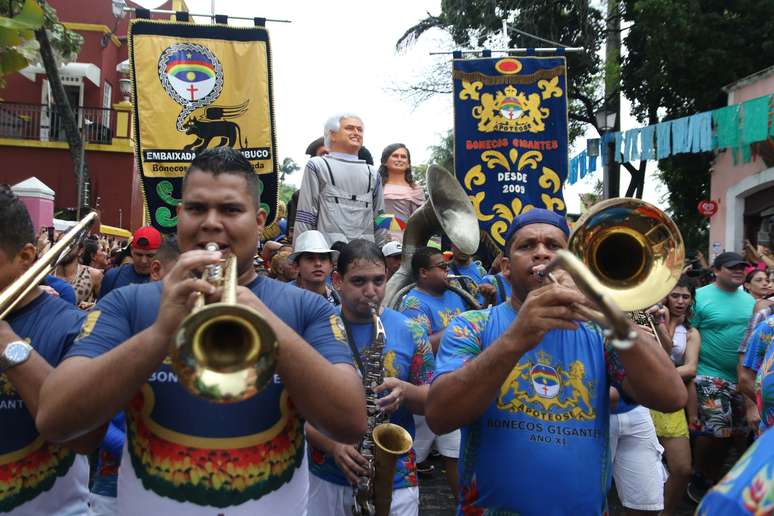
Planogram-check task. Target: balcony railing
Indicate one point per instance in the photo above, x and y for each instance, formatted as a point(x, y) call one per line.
point(45, 123)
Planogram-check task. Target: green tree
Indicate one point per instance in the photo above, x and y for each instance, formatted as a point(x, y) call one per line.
point(51, 44)
point(17, 25)
point(420, 174)
point(443, 152)
point(285, 192)
point(474, 23)
point(680, 55)
point(534, 23)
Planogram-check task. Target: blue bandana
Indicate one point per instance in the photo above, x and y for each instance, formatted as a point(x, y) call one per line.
point(538, 216)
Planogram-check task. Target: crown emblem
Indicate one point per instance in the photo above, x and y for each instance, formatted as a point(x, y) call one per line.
point(510, 91)
point(544, 358)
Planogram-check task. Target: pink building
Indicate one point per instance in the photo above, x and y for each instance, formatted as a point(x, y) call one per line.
point(745, 191)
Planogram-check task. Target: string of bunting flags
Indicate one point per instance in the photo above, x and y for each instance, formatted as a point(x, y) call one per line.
point(736, 127)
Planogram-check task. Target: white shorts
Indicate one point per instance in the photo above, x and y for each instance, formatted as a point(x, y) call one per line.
point(447, 445)
point(636, 454)
point(329, 499)
point(100, 505)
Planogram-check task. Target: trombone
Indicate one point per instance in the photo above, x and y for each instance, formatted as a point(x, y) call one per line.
point(23, 285)
point(625, 255)
point(224, 352)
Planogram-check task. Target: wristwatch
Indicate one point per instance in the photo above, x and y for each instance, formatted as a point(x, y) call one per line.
point(15, 353)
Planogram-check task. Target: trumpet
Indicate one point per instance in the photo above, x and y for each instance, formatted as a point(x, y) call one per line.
point(43, 266)
point(625, 255)
point(224, 352)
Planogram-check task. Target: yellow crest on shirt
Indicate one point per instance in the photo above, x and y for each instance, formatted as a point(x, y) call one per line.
point(89, 323)
point(546, 390)
point(338, 329)
point(6, 387)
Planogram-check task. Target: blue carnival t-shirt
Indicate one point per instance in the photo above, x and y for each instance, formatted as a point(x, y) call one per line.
point(748, 488)
point(541, 447)
point(759, 341)
point(183, 452)
point(473, 270)
point(760, 358)
point(434, 313)
point(109, 457)
point(120, 277)
point(37, 477)
point(501, 284)
point(64, 289)
point(407, 356)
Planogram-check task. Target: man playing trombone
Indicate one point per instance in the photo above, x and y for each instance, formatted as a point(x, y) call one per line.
point(36, 477)
point(185, 454)
point(528, 384)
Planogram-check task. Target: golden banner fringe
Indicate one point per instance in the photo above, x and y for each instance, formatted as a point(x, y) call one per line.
point(491, 80)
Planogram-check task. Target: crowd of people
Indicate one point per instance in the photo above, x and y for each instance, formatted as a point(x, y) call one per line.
point(531, 408)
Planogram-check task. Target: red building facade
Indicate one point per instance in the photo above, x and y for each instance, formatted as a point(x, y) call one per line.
point(32, 141)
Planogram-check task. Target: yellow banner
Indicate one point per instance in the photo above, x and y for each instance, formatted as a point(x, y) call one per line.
point(196, 87)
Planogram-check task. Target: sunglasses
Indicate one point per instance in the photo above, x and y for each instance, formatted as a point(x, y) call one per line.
point(442, 265)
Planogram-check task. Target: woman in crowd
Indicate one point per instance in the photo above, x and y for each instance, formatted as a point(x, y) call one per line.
point(672, 428)
point(94, 255)
point(402, 195)
point(757, 284)
point(85, 280)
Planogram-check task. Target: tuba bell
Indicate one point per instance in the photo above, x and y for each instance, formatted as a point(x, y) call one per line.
point(224, 352)
point(447, 209)
point(625, 255)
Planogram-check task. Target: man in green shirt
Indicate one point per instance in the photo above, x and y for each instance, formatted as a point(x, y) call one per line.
point(721, 314)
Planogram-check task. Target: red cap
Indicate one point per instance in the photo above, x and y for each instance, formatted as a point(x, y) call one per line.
point(146, 238)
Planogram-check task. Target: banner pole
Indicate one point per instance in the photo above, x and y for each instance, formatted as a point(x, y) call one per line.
point(541, 49)
point(211, 16)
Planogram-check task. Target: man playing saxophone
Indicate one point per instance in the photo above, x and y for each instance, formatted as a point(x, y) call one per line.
point(528, 385)
point(407, 362)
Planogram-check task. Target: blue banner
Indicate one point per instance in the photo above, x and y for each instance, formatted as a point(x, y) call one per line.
point(510, 136)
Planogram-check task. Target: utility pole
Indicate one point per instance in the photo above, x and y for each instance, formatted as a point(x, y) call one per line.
point(612, 169)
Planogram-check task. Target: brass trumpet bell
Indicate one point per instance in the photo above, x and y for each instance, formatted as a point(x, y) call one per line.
point(224, 352)
point(633, 249)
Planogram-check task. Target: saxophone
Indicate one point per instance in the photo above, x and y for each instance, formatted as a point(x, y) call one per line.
point(383, 442)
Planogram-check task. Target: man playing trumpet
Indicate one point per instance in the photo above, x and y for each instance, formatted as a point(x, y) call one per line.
point(184, 454)
point(529, 387)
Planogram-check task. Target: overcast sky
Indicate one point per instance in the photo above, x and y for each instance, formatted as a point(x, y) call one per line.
point(340, 56)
